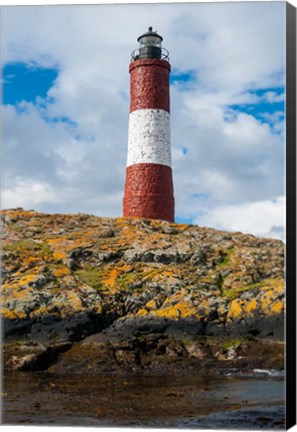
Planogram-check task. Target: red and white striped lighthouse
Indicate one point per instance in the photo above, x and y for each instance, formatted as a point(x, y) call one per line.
point(149, 187)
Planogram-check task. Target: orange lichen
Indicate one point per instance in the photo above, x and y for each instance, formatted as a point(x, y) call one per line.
point(59, 255)
point(112, 277)
point(166, 274)
point(61, 272)
point(30, 260)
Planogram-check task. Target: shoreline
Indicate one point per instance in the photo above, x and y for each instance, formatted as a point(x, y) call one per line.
point(163, 401)
point(147, 345)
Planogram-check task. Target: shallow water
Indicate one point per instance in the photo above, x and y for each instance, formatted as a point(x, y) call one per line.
point(230, 401)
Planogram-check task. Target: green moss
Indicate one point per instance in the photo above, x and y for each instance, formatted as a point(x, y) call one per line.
point(232, 293)
point(255, 285)
point(225, 343)
point(122, 282)
point(149, 274)
point(26, 245)
point(231, 343)
point(226, 257)
point(92, 277)
point(138, 274)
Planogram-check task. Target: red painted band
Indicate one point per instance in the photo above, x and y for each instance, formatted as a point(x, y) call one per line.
point(149, 85)
point(149, 192)
point(149, 62)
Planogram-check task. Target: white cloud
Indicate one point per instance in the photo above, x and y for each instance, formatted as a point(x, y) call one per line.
point(26, 191)
point(248, 131)
point(262, 218)
point(273, 97)
point(232, 50)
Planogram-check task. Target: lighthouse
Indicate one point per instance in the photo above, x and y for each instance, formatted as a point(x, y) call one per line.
point(149, 186)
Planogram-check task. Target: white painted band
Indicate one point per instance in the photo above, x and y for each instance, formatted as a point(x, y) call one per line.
point(149, 137)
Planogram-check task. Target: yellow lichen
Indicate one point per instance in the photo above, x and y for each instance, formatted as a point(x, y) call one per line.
point(277, 307)
point(74, 302)
point(142, 312)
point(180, 309)
point(171, 313)
point(251, 306)
point(151, 304)
point(27, 279)
point(42, 310)
point(235, 310)
point(12, 314)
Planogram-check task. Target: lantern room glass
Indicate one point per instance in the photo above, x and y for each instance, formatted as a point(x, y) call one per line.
point(150, 40)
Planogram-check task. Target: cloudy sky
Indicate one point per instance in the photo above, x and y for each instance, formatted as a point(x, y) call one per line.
point(66, 106)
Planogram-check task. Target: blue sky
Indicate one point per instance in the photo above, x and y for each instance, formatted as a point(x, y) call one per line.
point(265, 105)
point(25, 82)
point(66, 107)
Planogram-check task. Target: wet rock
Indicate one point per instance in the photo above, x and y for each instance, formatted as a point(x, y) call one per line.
point(185, 326)
point(194, 350)
point(55, 328)
point(250, 418)
point(16, 328)
point(27, 362)
point(138, 326)
point(28, 356)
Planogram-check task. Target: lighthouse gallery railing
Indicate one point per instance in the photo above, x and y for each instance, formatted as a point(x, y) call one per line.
point(150, 52)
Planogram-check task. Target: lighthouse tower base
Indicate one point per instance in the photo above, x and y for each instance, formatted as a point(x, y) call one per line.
point(148, 192)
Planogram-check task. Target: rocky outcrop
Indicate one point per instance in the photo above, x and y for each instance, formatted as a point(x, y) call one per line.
point(143, 282)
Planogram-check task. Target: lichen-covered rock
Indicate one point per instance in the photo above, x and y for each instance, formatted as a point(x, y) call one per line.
point(68, 276)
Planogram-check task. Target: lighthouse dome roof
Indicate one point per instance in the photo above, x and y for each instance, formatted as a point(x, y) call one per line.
point(150, 32)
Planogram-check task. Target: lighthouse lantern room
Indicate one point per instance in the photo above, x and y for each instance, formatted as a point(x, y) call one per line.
point(149, 186)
